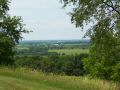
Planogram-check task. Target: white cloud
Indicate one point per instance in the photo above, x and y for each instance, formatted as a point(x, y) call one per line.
point(35, 4)
point(46, 19)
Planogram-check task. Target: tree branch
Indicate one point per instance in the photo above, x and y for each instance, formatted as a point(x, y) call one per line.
point(111, 7)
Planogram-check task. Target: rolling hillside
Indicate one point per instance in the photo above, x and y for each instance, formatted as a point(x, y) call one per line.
point(24, 79)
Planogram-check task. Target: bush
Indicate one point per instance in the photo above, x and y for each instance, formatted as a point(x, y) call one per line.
point(116, 73)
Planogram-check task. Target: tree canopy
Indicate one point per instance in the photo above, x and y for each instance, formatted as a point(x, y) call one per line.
point(86, 11)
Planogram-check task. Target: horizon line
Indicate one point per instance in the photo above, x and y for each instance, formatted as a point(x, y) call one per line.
point(52, 39)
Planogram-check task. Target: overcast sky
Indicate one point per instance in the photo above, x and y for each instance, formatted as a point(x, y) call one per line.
point(46, 18)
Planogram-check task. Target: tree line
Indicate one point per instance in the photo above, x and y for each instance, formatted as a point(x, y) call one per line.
point(71, 65)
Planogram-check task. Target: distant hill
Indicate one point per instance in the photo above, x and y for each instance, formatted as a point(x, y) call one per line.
point(87, 41)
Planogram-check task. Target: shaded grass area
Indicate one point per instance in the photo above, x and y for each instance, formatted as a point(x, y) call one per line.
point(69, 51)
point(26, 79)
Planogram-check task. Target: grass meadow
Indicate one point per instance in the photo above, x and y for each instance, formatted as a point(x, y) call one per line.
point(26, 79)
point(70, 51)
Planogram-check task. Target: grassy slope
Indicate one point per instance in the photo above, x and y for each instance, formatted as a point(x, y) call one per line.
point(70, 51)
point(27, 80)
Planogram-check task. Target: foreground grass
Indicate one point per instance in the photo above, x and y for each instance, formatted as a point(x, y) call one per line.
point(70, 51)
point(24, 79)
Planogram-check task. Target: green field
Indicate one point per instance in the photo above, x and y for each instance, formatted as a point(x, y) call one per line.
point(24, 79)
point(70, 51)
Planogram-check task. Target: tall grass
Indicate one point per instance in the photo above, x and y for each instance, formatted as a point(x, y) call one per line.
point(26, 79)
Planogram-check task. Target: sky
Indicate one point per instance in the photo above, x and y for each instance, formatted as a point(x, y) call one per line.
point(46, 18)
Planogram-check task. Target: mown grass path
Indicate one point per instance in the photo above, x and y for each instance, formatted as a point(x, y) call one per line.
point(30, 80)
point(8, 83)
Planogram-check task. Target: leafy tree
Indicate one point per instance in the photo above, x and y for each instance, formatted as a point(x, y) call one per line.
point(105, 34)
point(104, 52)
point(11, 29)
